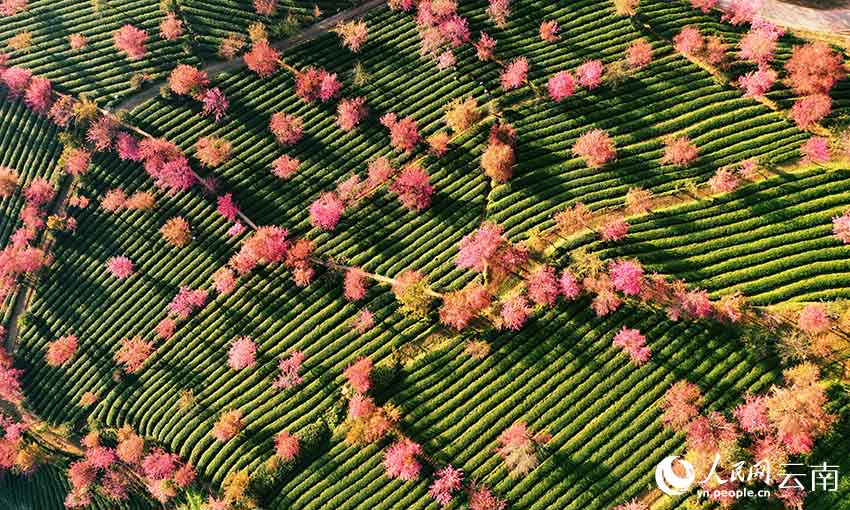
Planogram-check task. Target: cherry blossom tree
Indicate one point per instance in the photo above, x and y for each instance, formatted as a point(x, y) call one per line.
point(514, 312)
point(8, 181)
point(549, 31)
point(596, 147)
point(499, 11)
point(12, 7)
point(187, 301)
point(484, 47)
point(120, 267)
point(214, 103)
point(704, 5)
point(757, 83)
point(797, 411)
point(130, 40)
point(639, 54)
point(488, 249)
point(460, 307)
point(176, 231)
point(841, 227)
point(265, 7)
point(165, 328)
point(171, 27)
point(627, 276)
point(355, 284)
point(262, 59)
point(814, 319)
point(10, 380)
point(39, 95)
point(814, 69)
point(326, 211)
point(413, 188)
point(314, 84)
point(723, 181)
point(290, 368)
point(681, 404)
point(542, 286)
point(242, 353)
point(679, 151)
point(515, 74)
point(498, 161)
point(77, 41)
point(815, 150)
point(447, 481)
point(285, 166)
point(404, 134)
point(353, 33)
point(400, 460)
point(77, 161)
point(186, 80)
point(589, 74)
point(758, 46)
point(461, 114)
point(689, 42)
point(752, 414)
point(286, 128)
point(358, 375)
point(740, 11)
point(631, 341)
point(811, 109)
point(518, 448)
point(286, 445)
point(481, 498)
point(212, 151)
point(226, 206)
point(268, 245)
point(61, 350)
point(228, 425)
point(16, 80)
point(350, 112)
point(133, 353)
point(364, 321)
point(561, 86)
point(101, 133)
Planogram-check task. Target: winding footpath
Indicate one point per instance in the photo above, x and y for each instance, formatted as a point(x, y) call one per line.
point(306, 35)
point(835, 20)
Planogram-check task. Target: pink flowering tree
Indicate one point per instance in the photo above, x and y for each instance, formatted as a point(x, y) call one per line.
point(286, 445)
point(520, 449)
point(542, 286)
point(589, 74)
point(286, 128)
point(359, 374)
point(447, 481)
point(596, 147)
point(61, 350)
point(290, 371)
point(757, 83)
point(631, 341)
point(350, 112)
point(130, 40)
point(229, 424)
point(681, 404)
point(814, 69)
point(841, 227)
point(404, 134)
point(514, 312)
point(133, 353)
point(412, 185)
point(815, 150)
point(639, 54)
point(262, 59)
point(561, 86)
point(326, 211)
point(285, 166)
point(400, 460)
point(120, 267)
point(242, 353)
point(515, 74)
point(679, 151)
point(811, 109)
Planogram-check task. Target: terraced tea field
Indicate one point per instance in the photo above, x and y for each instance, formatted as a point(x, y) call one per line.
point(549, 353)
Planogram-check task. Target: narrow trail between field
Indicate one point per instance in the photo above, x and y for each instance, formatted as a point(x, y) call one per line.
point(22, 297)
point(834, 20)
point(306, 35)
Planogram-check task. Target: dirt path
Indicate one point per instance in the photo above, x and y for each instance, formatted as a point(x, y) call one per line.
point(308, 34)
point(832, 17)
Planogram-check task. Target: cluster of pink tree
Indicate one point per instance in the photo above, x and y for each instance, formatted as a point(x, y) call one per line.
point(488, 250)
point(404, 134)
point(813, 70)
point(691, 43)
point(229, 424)
point(317, 84)
point(109, 468)
point(15, 452)
point(61, 350)
point(596, 148)
point(22, 256)
point(441, 31)
point(186, 80)
point(10, 378)
point(772, 427)
point(133, 353)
